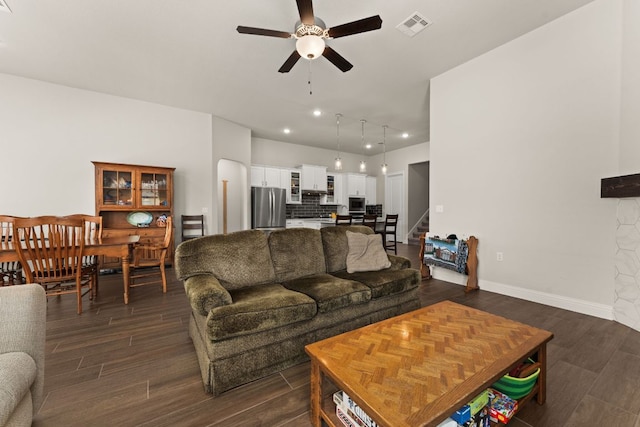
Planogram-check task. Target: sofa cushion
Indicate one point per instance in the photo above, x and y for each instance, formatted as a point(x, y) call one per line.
point(385, 282)
point(259, 308)
point(336, 246)
point(330, 292)
point(296, 252)
point(219, 255)
point(366, 253)
point(17, 373)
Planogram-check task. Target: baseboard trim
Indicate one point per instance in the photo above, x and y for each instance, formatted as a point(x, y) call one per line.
point(602, 311)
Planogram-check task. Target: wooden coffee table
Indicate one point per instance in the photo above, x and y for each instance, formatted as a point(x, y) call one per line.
point(418, 368)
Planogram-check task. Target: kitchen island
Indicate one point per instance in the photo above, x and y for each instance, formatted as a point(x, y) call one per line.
point(315, 223)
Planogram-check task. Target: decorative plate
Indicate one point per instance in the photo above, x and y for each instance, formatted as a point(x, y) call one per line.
point(139, 219)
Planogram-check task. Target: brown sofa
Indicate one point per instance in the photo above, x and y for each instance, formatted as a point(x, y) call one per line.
point(258, 299)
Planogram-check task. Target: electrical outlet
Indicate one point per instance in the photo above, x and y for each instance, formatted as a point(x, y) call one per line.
point(205, 210)
point(499, 256)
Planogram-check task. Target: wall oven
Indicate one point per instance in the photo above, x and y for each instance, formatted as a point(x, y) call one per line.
point(357, 207)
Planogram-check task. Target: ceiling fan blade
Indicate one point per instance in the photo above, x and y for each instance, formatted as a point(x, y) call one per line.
point(305, 8)
point(263, 32)
point(336, 59)
point(361, 26)
point(290, 62)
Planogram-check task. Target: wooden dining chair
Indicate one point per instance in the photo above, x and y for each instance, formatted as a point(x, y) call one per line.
point(370, 221)
point(10, 271)
point(192, 226)
point(92, 230)
point(344, 219)
point(148, 267)
point(50, 251)
point(390, 230)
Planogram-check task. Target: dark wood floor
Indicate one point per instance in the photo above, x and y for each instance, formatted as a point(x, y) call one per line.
point(118, 365)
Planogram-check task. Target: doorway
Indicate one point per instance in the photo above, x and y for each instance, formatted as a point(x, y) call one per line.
point(235, 175)
point(394, 202)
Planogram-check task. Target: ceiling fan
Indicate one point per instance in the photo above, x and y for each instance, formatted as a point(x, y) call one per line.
point(311, 33)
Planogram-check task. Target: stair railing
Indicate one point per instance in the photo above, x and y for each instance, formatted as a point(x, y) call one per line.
point(419, 223)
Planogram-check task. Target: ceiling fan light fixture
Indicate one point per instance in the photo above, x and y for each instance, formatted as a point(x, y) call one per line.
point(310, 46)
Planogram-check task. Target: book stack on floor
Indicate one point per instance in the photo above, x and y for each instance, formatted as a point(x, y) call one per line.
point(350, 414)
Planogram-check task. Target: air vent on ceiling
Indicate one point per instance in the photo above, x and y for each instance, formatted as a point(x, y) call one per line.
point(414, 24)
point(4, 6)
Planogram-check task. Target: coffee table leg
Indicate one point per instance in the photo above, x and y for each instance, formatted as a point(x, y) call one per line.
point(316, 394)
point(542, 378)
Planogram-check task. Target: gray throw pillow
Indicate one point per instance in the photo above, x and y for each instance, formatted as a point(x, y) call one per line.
point(366, 253)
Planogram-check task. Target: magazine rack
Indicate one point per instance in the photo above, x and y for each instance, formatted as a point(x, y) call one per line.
point(464, 258)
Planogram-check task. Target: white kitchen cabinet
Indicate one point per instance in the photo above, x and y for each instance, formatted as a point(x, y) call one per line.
point(371, 190)
point(335, 191)
point(356, 184)
point(290, 181)
point(314, 178)
point(265, 176)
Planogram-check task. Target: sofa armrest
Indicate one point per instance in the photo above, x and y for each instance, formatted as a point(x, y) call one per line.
point(23, 311)
point(399, 262)
point(205, 292)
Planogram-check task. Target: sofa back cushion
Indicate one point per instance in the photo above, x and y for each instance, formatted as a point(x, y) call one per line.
point(336, 246)
point(296, 252)
point(237, 259)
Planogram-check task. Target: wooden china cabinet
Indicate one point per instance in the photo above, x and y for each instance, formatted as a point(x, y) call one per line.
point(130, 199)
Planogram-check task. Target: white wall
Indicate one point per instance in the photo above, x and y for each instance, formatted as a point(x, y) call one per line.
point(630, 105)
point(520, 138)
point(49, 134)
point(284, 154)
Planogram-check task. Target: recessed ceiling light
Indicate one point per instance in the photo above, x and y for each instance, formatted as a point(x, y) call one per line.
point(287, 131)
point(405, 135)
point(317, 113)
point(368, 146)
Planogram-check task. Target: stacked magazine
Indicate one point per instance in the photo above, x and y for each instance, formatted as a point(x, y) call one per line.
point(349, 413)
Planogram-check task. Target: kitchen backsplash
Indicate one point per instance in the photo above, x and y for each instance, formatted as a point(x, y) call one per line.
point(311, 208)
point(374, 210)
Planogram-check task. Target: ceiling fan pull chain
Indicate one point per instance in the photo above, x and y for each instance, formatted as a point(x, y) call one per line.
point(309, 81)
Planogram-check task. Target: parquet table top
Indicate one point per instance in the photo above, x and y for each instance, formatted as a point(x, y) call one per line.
point(411, 370)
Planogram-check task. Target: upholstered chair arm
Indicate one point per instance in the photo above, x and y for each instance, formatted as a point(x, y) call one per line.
point(205, 292)
point(23, 311)
point(399, 262)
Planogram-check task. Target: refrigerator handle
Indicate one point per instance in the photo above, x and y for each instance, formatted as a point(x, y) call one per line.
point(272, 206)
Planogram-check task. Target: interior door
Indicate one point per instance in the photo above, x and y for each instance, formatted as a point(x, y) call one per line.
point(394, 202)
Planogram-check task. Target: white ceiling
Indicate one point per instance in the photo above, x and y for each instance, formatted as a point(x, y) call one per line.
point(187, 54)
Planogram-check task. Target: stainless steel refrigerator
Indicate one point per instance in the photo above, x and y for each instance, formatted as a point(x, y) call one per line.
point(268, 208)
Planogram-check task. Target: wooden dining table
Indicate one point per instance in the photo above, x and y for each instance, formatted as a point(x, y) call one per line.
point(117, 246)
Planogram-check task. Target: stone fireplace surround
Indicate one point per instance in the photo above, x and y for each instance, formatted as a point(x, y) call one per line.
point(626, 303)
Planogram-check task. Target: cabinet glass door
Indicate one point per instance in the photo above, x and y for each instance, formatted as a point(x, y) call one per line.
point(154, 189)
point(331, 195)
point(116, 188)
point(295, 187)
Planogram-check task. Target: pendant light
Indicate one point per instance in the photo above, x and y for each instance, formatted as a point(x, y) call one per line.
point(363, 164)
point(384, 150)
point(338, 165)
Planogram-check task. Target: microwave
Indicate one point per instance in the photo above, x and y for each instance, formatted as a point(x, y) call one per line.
point(356, 204)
